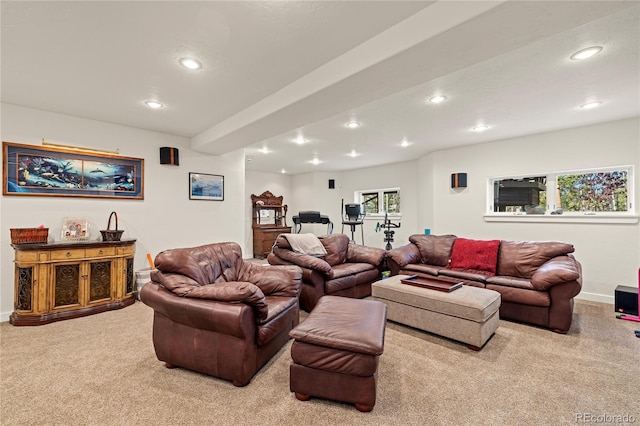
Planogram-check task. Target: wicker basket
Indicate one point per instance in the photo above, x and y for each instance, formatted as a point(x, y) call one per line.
point(111, 235)
point(29, 235)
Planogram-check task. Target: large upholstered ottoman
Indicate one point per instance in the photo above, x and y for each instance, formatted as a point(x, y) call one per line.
point(467, 314)
point(335, 351)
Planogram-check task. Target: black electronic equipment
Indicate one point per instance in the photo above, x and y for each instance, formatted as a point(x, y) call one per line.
point(626, 300)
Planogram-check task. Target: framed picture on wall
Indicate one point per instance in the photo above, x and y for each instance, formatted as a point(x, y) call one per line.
point(29, 170)
point(203, 186)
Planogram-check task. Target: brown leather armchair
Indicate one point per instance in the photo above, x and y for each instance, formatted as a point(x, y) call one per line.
point(218, 315)
point(346, 270)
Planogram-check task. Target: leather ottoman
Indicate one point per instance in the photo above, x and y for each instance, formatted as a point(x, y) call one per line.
point(335, 351)
point(468, 314)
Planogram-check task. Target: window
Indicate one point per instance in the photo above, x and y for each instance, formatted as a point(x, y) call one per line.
point(584, 192)
point(380, 201)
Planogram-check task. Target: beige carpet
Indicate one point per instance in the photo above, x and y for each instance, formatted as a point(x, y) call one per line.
point(101, 370)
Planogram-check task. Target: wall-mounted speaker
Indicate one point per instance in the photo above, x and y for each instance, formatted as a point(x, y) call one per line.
point(332, 183)
point(169, 156)
point(458, 180)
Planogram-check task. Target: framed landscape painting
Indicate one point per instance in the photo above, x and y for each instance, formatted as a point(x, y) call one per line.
point(60, 172)
point(204, 186)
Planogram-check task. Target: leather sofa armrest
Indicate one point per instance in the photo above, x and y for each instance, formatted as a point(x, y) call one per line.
point(363, 254)
point(304, 261)
point(232, 291)
point(273, 280)
point(404, 255)
point(235, 319)
point(560, 269)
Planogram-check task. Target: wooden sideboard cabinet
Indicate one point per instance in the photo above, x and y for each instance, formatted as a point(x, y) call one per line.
point(269, 221)
point(60, 281)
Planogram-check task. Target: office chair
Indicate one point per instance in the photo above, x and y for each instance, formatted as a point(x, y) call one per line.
point(353, 217)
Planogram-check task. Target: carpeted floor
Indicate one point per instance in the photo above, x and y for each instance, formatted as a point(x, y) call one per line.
point(101, 370)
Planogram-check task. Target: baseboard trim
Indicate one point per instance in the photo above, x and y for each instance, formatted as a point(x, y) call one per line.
point(595, 297)
point(592, 297)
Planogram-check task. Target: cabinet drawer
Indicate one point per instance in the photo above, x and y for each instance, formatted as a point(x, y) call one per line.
point(99, 252)
point(67, 254)
point(126, 250)
point(26, 256)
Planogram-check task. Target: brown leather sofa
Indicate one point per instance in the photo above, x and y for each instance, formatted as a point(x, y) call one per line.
point(347, 270)
point(537, 280)
point(218, 315)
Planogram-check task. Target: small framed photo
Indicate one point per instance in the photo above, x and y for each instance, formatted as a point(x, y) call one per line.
point(74, 229)
point(204, 186)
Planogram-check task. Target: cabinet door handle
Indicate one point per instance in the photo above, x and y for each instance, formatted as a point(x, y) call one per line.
point(68, 254)
point(100, 252)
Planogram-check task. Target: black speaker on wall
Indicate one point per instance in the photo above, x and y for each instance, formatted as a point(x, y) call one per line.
point(458, 180)
point(332, 183)
point(169, 156)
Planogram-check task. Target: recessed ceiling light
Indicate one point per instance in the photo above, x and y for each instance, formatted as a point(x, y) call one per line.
point(405, 143)
point(283, 171)
point(591, 105)
point(153, 104)
point(480, 128)
point(264, 150)
point(353, 153)
point(315, 161)
point(586, 53)
point(437, 99)
point(352, 124)
point(300, 140)
point(190, 63)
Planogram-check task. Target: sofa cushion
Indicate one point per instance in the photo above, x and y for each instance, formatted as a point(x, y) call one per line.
point(465, 274)
point(434, 249)
point(275, 321)
point(522, 259)
point(205, 264)
point(510, 282)
point(336, 246)
point(346, 269)
point(474, 256)
point(522, 296)
point(421, 268)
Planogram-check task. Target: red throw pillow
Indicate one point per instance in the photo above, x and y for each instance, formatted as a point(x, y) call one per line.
point(474, 255)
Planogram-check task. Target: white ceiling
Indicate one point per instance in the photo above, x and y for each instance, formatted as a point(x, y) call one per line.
point(275, 70)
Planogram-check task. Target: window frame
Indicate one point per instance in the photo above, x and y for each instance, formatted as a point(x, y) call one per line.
point(359, 199)
point(629, 216)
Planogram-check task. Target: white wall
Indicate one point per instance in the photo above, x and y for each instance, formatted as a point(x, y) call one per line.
point(166, 218)
point(609, 253)
point(311, 192)
point(400, 175)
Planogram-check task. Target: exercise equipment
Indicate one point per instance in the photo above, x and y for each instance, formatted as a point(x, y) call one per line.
point(388, 232)
point(311, 216)
point(353, 216)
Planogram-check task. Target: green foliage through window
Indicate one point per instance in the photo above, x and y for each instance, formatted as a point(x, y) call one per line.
point(593, 192)
point(380, 201)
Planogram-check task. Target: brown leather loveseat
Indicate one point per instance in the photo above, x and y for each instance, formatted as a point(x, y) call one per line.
point(218, 315)
point(346, 270)
point(537, 280)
